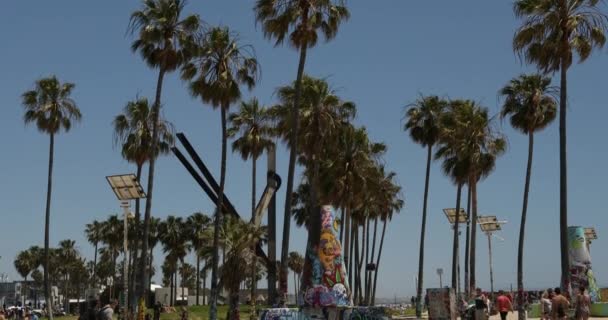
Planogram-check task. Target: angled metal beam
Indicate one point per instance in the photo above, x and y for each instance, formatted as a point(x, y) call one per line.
point(259, 251)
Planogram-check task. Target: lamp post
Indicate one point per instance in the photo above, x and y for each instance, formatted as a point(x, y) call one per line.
point(489, 225)
point(126, 187)
point(450, 214)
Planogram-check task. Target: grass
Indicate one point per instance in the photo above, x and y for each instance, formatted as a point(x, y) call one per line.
point(194, 313)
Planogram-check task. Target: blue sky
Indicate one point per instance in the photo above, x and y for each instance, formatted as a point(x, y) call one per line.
point(388, 53)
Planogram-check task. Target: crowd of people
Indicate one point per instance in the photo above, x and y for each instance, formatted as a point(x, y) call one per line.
point(17, 314)
point(553, 303)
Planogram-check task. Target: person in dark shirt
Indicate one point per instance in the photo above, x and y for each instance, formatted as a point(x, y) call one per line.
point(481, 305)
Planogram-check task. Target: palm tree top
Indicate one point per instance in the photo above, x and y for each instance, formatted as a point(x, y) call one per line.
point(220, 65)
point(133, 131)
point(552, 30)
point(163, 39)
point(423, 119)
point(50, 106)
point(300, 20)
point(252, 121)
point(530, 101)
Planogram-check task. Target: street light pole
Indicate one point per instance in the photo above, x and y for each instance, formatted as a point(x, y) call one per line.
point(489, 234)
point(124, 204)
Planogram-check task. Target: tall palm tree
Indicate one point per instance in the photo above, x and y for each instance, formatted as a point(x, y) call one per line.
point(252, 123)
point(423, 120)
point(470, 146)
point(51, 108)
point(553, 32)
point(301, 21)
point(68, 255)
point(322, 113)
point(163, 40)
point(133, 132)
point(94, 235)
point(197, 224)
point(216, 74)
point(531, 106)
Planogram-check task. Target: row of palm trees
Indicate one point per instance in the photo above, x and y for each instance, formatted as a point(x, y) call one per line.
point(68, 270)
point(552, 35)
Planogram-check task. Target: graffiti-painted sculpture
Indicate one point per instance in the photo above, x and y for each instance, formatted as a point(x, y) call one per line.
point(325, 283)
point(581, 273)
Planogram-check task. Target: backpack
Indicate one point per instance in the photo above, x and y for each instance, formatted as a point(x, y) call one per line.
point(101, 314)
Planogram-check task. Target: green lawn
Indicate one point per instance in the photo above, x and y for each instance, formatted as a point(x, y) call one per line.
point(194, 313)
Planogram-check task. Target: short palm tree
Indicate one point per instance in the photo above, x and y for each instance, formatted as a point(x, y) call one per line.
point(163, 40)
point(50, 106)
point(197, 224)
point(423, 120)
point(301, 22)
point(93, 232)
point(531, 106)
point(469, 147)
point(216, 74)
point(296, 264)
point(24, 266)
point(553, 32)
point(173, 236)
point(252, 123)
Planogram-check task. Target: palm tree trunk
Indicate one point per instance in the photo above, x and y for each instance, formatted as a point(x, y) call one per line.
point(150, 259)
point(144, 278)
point(366, 272)
point(350, 250)
point(171, 290)
point(198, 278)
point(133, 280)
point(205, 286)
point(347, 238)
point(378, 262)
point(356, 263)
point(254, 257)
point(295, 115)
point(522, 227)
point(182, 284)
point(563, 179)
point(467, 278)
point(47, 222)
point(473, 231)
point(342, 225)
point(456, 240)
point(368, 285)
point(422, 234)
point(95, 266)
point(272, 233)
point(218, 219)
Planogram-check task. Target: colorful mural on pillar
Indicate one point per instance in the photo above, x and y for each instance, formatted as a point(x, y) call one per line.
point(324, 280)
point(579, 256)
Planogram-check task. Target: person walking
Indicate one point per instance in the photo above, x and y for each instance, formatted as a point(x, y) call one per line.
point(545, 304)
point(583, 301)
point(481, 305)
point(559, 306)
point(107, 312)
point(503, 305)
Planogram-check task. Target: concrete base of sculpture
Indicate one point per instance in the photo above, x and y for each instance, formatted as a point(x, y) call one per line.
point(355, 313)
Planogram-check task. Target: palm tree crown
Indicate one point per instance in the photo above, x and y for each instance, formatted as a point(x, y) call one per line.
point(133, 131)
point(552, 30)
point(164, 40)
point(300, 20)
point(252, 122)
point(220, 66)
point(50, 106)
point(530, 102)
point(423, 119)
